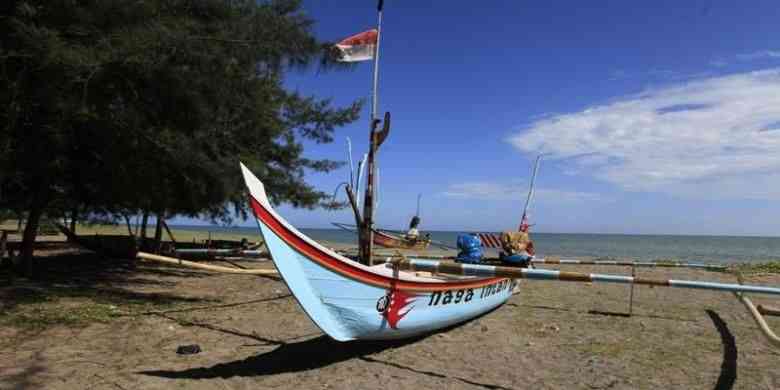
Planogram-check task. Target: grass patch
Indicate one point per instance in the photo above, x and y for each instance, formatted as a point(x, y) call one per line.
point(770, 267)
point(41, 316)
point(181, 234)
point(39, 308)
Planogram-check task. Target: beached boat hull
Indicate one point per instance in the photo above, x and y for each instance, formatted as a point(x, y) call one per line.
point(350, 301)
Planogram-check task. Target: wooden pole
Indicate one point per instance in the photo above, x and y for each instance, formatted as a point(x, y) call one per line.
point(768, 310)
point(631, 296)
point(3, 239)
point(366, 228)
point(353, 204)
point(213, 268)
point(10, 261)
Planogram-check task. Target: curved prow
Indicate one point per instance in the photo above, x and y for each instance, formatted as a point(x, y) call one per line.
point(290, 261)
point(255, 186)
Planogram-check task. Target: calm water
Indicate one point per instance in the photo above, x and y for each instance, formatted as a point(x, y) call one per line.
point(717, 249)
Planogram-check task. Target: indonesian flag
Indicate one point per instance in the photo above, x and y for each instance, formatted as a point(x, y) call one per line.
point(359, 47)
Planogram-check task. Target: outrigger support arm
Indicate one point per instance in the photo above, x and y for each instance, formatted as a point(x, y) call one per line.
point(542, 274)
point(756, 313)
point(760, 321)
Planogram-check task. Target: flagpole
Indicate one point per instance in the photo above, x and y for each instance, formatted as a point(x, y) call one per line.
point(367, 238)
point(375, 91)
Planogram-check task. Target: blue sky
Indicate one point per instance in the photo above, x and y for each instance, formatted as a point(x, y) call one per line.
point(660, 117)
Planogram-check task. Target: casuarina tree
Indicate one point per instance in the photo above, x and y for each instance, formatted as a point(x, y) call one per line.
point(119, 107)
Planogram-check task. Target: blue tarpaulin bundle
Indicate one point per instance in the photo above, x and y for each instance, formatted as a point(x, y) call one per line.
point(469, 249)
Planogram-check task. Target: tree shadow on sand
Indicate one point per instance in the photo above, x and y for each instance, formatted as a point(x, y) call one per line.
point(84, 274)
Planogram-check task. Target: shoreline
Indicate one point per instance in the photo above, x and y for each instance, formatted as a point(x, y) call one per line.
point(558, 248)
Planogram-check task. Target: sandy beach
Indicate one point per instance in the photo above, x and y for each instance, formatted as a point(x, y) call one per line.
point(98, 323)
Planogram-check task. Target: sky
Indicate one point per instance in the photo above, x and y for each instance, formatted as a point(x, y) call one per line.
point(655, 118)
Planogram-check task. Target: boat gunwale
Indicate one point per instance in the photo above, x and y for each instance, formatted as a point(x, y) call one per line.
point(315, 252)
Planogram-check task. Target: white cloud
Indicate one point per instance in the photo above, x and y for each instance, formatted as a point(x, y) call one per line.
point(719, 63)
point(508, 191)
point(759, 55)
point(709, 138)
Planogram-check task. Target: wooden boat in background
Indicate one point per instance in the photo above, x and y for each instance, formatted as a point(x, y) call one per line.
point(389, 240)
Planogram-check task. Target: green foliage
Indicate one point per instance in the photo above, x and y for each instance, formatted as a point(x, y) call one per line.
point(115, 107)
point(769, 267)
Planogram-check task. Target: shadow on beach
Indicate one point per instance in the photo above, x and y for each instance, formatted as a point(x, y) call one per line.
point(307, 355)
point(288, 358)
point(84, 274)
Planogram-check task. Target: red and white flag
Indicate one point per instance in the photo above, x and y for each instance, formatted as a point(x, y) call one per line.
point(359, 47)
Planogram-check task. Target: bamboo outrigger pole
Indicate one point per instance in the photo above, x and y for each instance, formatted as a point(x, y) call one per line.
point(556, 261)
point(624, 263)
point(540, 274)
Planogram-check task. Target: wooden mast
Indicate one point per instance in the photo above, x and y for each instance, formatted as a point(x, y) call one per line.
point(367, 228)
point(375, 139)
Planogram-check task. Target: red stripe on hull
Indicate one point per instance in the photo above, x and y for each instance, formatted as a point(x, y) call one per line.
point(347, 270)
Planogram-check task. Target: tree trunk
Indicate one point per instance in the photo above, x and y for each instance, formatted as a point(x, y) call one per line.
point(73, 215)
point(3, 239)
point(129, 227)
point(158, 233)
point(144, 222)
point(28, 239)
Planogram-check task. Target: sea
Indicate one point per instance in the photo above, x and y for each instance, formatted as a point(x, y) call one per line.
point(710, 249)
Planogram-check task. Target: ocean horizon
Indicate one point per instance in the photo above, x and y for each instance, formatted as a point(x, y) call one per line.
point(703, 248)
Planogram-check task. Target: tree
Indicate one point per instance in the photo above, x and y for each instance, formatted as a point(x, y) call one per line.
point(120, 107)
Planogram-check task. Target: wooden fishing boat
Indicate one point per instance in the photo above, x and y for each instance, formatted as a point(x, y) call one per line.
point(348, 300)
point(389, 240)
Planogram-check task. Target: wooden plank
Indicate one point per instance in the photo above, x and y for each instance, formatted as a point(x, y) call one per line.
point(768, 310)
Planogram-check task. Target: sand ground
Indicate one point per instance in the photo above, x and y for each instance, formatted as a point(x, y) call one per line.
point(118, 327)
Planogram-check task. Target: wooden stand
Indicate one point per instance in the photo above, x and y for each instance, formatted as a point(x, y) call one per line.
point(631, 297)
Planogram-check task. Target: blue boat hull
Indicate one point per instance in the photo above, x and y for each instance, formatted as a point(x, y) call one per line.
point(351, 301)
